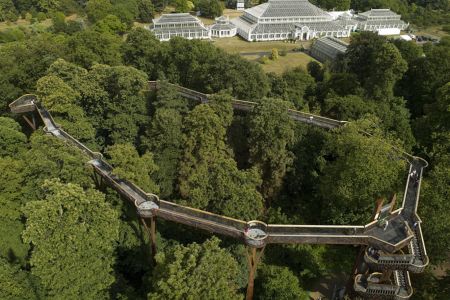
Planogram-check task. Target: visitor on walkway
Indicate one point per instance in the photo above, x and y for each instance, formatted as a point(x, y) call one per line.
point(386, 225)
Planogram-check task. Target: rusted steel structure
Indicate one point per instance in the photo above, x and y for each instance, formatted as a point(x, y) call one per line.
point(389, 250)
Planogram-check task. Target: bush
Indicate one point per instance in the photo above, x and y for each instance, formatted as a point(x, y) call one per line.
point(11, 35)
point(283, 52)
point(41, 16)
point(10, 16)
point(28, 17)
point(264, 60)
point(274, 55)
point(446, 28)
point(210, 8)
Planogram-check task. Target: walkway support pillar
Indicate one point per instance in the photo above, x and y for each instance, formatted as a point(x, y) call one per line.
point(31, 122)
point(386, 276)
point(359, 260)
point(98, 179)
point(151, 234)
point(253, 258)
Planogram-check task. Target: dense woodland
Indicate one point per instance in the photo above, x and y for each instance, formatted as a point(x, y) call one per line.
point(63, 237)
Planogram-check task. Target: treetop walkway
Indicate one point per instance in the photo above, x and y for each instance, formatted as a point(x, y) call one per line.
point(401, 229)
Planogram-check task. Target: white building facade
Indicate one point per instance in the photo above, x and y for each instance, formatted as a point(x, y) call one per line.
point(182, 25)
point(223, 28)
point(240, 5)
point(288, 19)
point(383, 21)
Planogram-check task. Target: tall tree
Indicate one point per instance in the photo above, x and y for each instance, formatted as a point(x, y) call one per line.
point(299, 84)
point(23, 63)
point(87, 47)
point(70, 230)
point(271, 133)
point(141, 50)
point(195, 271)
point(424, 77)
point(364, 168)
point(98, 9)
point(274, 282)
point(377, 63)
point(348, 108)
point(129, 165)
point(434, 207)
point(209, 177)
point(210, 8)
point(64, 102)
point(203, 144)
point(12, 140)
point(146, 10)
point(50, 157)
point(16, 283)
point(164, 138)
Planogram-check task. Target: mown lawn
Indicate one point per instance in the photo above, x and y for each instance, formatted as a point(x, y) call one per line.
point(237, 45)
point(432, 30)
point(291, 60)
point(21, 22)
point(24, 23)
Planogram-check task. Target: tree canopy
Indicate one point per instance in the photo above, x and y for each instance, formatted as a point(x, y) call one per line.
point(70, 229)
point(195, 271)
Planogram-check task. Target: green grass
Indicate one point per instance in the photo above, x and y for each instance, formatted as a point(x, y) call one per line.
point(291, 60)
point(24, 23)
point(238, 45)
point(432, 30)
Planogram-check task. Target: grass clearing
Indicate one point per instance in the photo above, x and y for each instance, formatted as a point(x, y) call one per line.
point(237, 45)
point(291, 60)
point(24, 23)
point(207, 21)
point(432, 30)
point(232, 13)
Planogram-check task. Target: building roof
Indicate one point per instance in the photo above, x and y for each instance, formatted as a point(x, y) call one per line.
point(323, 26)
point(222, 19)
point(286, 8)
point(383, 22)
point(176, 19)
point(243, 24)
point(382, 12)
point(228, 26)
point(341, 14)
point(289, 27)
point(273, 28)
point(331, 42)
point(179, 30)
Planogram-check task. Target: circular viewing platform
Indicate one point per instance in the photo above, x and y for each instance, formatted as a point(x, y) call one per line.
point(146, 209)
point(255, 234)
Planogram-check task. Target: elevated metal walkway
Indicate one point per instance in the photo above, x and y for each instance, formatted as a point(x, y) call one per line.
point(242, 105)
point(403, 228)
point(374, 286)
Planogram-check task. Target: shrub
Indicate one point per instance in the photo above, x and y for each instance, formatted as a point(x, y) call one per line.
point(264, 60)
point(41, 16)
point(446, 28)
point(274, 55)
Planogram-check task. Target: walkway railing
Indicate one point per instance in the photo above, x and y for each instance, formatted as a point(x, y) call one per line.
point(396, 237)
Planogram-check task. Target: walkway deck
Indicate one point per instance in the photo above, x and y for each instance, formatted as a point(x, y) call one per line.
point(403, 229)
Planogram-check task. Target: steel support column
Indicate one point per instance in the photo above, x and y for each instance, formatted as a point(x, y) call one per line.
point(253, 258)
point(31, 122)
point(151, 234)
